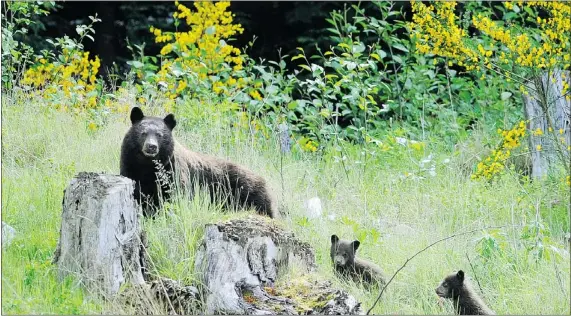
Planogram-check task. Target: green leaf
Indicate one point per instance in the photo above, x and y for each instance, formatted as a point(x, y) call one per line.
point(137, 64)
point(359, 48)
point(306, 67)
point(516, 8)
point(400, 47)
point(296, 57)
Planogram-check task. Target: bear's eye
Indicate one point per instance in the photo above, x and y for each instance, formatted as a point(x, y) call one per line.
point(144, 133)
point(160, 134)
point(445, 284)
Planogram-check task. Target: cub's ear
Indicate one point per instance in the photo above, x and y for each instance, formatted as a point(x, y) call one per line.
point(356, 245)
point(334, 239)
point(136, 115)
point(170, 121)
point(460, 276)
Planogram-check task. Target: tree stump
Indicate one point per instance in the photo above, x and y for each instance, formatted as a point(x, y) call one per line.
point(239, 262)
point(100, 236)
point(546, 107)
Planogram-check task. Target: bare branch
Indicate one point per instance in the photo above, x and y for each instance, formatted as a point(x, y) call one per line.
point(474, 273)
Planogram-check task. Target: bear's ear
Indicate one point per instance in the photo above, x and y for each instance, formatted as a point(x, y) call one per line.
point(356, 245)
point(334, 239)
point(460, 276)
point(170, 121)
point(136, 115)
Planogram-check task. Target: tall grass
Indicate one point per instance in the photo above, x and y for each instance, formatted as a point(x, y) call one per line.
point(384, 203)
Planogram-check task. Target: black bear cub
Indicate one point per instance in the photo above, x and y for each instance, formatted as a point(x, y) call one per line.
point(346, 264)
point(155, 160)
point(466, 301)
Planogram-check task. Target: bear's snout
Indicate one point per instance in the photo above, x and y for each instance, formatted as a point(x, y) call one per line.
point(151, 148)
point(339, 260)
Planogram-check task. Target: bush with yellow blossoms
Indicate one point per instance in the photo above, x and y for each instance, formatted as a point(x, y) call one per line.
point(18, 17)
point(199, 61)
point(503, 44)
point(520, 41)
point(496, 162)
point(66, 77)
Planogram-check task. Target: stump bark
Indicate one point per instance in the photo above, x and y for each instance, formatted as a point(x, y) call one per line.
point(239, 262)
point(100, 236)
point(547, 108)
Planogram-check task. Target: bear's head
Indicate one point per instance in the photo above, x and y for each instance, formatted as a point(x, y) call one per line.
point(151, 137)
point(451, 285)
point(343, 251)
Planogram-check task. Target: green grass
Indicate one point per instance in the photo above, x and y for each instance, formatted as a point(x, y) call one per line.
point(393, 215)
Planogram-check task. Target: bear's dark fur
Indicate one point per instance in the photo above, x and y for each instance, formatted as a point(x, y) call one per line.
point(149, 142)
point(345, 263)
point(465, 299)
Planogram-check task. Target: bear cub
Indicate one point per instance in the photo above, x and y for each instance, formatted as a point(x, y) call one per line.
point(346, 264)
point(149, 145)
point(466, 300)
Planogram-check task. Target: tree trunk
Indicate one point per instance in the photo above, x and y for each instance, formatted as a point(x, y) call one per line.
point(100, 236)
point(547, 108)
point(239, 262)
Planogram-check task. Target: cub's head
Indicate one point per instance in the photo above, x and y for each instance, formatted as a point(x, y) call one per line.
point(451, 285)
point(151, 136)
point(343, 251)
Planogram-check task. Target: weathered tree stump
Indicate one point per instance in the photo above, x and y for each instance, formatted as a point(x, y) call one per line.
point(547, 108)
point(100, 234)
point(239, 262)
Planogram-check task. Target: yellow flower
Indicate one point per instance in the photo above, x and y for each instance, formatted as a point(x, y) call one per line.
point(561, 131)
point(255, 95)
point(538, 147)
point(92, 126)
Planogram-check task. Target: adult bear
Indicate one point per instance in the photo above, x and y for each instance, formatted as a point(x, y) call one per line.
point(151, 156)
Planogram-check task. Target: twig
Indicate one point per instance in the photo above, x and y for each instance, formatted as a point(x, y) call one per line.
point(558, 275)
point(474, 273)
point(423, 250)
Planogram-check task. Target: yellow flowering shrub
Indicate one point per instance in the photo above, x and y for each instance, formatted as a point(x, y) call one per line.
point(201, 54)
point(307, 144)
point(435, 29)
point(543, 52)
point(496, 162)
point(74, 74)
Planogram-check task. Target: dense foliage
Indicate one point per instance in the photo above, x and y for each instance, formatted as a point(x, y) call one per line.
point(427, 107)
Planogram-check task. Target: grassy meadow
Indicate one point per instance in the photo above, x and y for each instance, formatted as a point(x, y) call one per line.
point(387, 200)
